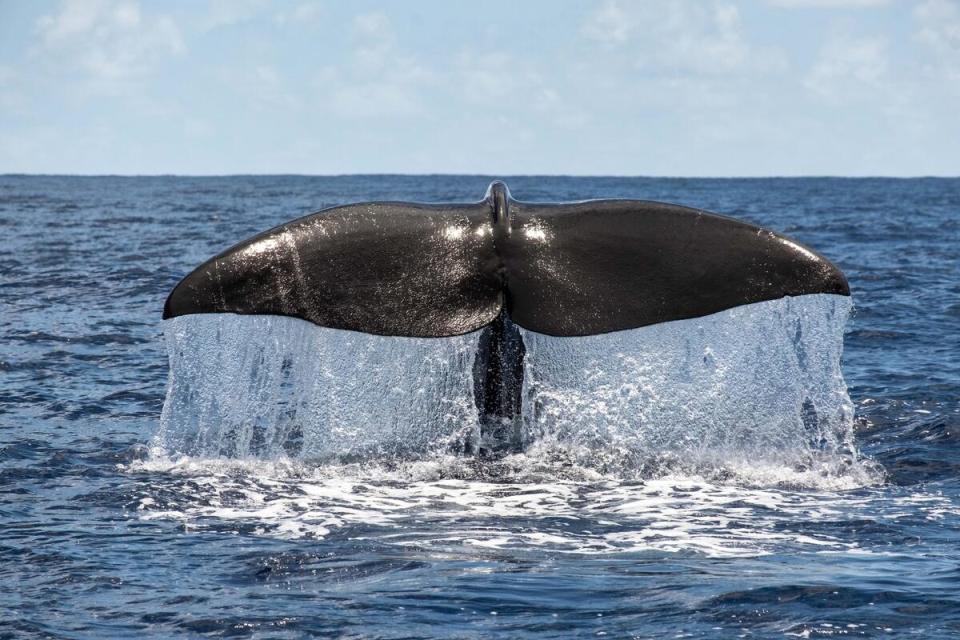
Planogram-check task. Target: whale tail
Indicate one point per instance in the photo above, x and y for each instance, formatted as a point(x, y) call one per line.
point(441, 270)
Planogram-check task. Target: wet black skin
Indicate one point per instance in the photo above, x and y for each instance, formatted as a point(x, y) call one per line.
point(498, 385)
point(439, 270)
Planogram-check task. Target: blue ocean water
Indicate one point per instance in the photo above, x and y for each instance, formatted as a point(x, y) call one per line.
point(99, 537)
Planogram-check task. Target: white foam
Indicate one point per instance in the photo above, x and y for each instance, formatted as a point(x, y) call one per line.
point(403, 508)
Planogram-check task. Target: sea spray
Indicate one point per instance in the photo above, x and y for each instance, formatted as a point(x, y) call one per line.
point(754, 386)
point(754, 394)
point(269, 387)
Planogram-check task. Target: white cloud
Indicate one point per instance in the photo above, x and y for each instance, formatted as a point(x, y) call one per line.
point(848, 68)
point(828, 4)
point(493, 80)
point(682, 36)
point(373, 25)
point(225, 13)
point(112, 41)
point(75, 18)
point(489, 77)
point(302, 14)
point(381, 80)
point(375, 42)
point(939, 22)
point(375, 99)
point(610, 25)
point(938, 28)
point(263, 87)
point(12, 99)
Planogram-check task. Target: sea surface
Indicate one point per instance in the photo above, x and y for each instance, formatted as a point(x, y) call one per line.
point(688, 512)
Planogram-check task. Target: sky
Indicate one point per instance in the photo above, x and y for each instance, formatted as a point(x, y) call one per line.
point(614, 87)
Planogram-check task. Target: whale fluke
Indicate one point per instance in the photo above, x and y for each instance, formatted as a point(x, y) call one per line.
point(434, 271)
point(422, 270)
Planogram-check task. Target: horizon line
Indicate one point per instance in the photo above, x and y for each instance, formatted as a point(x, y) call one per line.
point(482, 175)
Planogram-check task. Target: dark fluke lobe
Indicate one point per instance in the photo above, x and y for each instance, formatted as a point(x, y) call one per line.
point(401, 269)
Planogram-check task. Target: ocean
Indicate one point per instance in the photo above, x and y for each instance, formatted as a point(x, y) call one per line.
point(719, 517)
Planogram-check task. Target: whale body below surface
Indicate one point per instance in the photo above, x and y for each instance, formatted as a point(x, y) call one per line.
point(444, 270)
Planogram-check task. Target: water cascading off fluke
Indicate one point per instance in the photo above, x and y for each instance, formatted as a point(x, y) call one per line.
point(400, 329)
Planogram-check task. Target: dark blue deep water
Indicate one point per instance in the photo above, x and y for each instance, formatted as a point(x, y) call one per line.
point(97, 539)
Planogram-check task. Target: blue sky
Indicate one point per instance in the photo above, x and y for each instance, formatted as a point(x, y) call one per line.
point(685, 87)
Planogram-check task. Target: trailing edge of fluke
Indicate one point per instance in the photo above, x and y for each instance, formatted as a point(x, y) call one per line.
point(569, 269)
